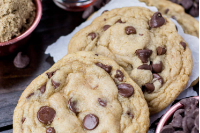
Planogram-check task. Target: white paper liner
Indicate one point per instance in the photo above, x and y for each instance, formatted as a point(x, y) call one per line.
point(60, 47)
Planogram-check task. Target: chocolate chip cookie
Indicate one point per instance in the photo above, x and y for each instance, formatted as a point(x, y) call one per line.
point(189, 24)
point(146, 45)
point(82, 92)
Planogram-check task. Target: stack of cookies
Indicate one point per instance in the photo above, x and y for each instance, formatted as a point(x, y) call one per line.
point(129, 63)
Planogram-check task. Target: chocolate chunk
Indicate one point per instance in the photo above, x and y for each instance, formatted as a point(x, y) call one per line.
point(50, 130)
point(194, 11)
point(72, 105)
point(157, 20)
point(166, 11)
point(106, 27)
point(31, 94)
point(102, 102)
point(157, 77)
point(119, 21)
point(145, 67)
point(119, 75)
point(55, 84)
point(161, 51)
point(144, 54)
point(187, 4)
point(194, 130)
point(157, 68)
point(104, 11)
point(43, 88)
point(90, 121)
point(196, 122)
point(23, 119)
point(167, 129)
point(177, 121)
point(174, 17)
point(183, 44)
point(187, 124)
point(149, 87)
point(89, 11)
point(46, 115)
point(105, 67)
point(93, 35)
point(50, 74)
point(125, 90)
point(130, 30)
point(21, 61)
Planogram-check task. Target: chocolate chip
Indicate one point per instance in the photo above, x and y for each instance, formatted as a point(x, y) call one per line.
point(42, 88)
point(167, 129)
point(23, 119)
point(145, 67)
point(102, 102)
point(125, 90)
point(183, 44)
point(72, 106)
point(90, 121)
point(149, 87)
point(104, 11)
point(179, 112)
point(141, 34)
point(46, 115)
point(130, 114)
point(194, 130)
point(55, 84)
point(130, 30)
point(178, 132)
point(194, 11)
point(161, 51)
point(21, 61)
point(156, 20)
point(96, 54)
point(174, 17)
point(93, 35)
point(105, 67)
point(144, 54)
point(98, 4)
point(88, 12)
point(106, 27)
point(119, 21)
point(119, 75)
point(196, 112)
point(157, 68)
point(50, 74)
point(177, 121)
point(50, 130)
point(166, 11)
point(187, 124)
point(187, 4)
point(157, 77)
point(31, 94)
point(196, 122)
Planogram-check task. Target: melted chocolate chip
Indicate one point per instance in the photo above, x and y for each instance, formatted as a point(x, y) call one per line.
point(161, 51)
point(46, 115)
point(42, 88)
point(93, 35)
point(119, 75)
point(158, 77)
point(183, 44)
point(50, 74)
point(157, 20)
point(166, 11)
point(31, 94)
point(144, 54)
point(102, 102)
point(130, 30)
point(119, 21)
point(55, 84)
point(125, 90)
point(105, 67)
point(72, 106)
point(149, 87)
point(90, 121)
point(145, 67)
point(106, 27)
point(50, 130)
point(157, 68)
point(23, 119)
point(21, 61)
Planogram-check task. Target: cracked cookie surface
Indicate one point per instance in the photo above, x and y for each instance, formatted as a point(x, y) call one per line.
point(81, 93)
point(146, 45)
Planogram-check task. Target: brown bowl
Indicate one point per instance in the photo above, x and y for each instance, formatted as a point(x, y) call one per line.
point(14, 44)
point(163, 121)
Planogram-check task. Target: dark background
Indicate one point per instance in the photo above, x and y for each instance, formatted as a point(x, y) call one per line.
point(55, 22)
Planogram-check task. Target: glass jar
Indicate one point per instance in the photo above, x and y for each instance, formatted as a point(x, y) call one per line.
point(73, 5)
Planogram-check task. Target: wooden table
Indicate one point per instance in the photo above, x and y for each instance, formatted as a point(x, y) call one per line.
point(55, 22)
